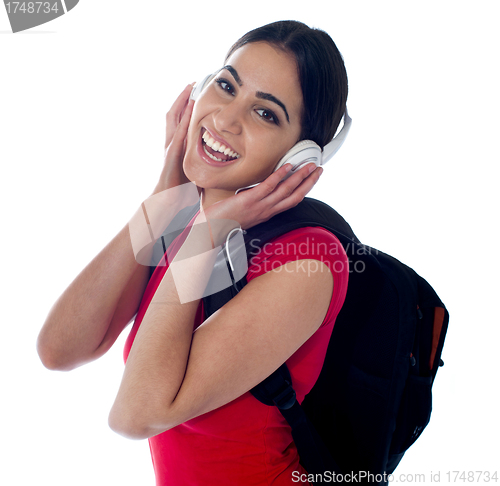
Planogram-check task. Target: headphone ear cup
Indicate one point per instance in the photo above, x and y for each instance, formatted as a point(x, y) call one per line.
point(199, 87)
point(301, 153)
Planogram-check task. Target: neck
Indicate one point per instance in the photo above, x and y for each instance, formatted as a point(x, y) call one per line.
point(211, 196)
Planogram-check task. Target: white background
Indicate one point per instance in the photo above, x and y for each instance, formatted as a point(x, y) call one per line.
point(83, 101)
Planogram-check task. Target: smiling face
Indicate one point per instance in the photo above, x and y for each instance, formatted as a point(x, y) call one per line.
point(248, 117)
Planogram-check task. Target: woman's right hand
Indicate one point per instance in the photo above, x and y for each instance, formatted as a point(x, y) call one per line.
point(178, 118)
point(95, 308)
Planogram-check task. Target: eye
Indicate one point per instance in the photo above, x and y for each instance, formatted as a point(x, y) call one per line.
point(267, 115)
point(225, 85)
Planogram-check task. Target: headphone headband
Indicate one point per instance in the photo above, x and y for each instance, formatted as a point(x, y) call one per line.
point(331, 148)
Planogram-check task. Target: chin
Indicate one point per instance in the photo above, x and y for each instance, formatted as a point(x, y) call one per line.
point(196, 174)
point(204, 176)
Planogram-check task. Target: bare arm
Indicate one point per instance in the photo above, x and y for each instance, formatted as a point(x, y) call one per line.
point(173, 375)
point(91, 313)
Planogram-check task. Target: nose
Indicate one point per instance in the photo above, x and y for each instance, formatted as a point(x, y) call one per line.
point(228, 118)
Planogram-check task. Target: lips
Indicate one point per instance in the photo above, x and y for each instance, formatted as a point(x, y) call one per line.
point(214, 150)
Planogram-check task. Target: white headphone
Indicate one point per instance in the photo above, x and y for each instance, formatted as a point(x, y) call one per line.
point(303, 152)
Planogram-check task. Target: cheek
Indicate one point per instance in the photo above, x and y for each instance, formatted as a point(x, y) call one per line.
point(200, 112)
point(204, 105)
point(268, 152)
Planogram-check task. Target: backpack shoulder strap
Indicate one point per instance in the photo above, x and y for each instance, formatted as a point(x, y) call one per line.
point(309, 212)
point(277, 390)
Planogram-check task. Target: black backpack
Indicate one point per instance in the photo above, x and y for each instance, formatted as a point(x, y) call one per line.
point(372, 399)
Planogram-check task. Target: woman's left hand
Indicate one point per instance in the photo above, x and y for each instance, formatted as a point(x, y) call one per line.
point(261, 203)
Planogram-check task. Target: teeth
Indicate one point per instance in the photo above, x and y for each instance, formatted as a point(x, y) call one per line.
point(210, 155)
point(218, 147)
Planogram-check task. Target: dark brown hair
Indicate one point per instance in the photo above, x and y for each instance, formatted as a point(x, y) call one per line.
point(322, 74)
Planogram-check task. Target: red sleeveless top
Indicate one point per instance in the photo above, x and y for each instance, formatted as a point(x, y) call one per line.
point(247, 443)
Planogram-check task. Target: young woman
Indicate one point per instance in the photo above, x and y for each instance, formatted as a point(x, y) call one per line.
point(186, 379)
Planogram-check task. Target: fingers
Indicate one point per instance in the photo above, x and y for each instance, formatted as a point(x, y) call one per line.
point(269, 198)
point(176, 112)
point(300, 187)
point(275, 184)
point(176, 146)
point(267, 186)
point(292, 191)
point(275, 195)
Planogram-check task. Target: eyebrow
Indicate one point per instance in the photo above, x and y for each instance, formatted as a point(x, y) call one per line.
point(234, 73)
point(270, 97)
point(259, 94)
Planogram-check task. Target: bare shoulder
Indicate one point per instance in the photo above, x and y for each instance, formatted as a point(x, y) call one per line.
point(295, 295)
